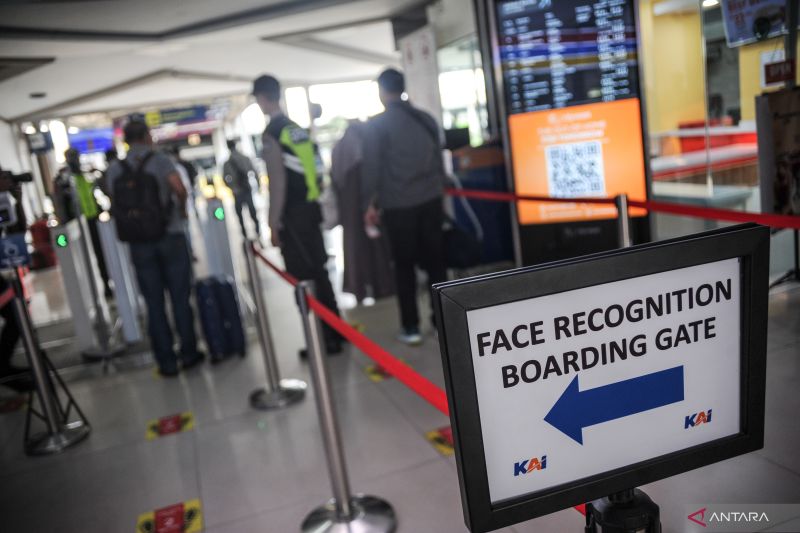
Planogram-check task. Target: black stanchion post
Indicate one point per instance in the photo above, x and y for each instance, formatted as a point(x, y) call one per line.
point(623, 222)
point(345, 513)
point(277, 392)
point(59, 432)
point(796, 256)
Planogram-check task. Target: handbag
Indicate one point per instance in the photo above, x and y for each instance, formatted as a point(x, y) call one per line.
point(462, 249)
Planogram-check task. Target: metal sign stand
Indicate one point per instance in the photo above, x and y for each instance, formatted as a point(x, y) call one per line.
point(59, 432)
point(345, 512)
point(623, 221)
point(278, 392)
point(631, 510)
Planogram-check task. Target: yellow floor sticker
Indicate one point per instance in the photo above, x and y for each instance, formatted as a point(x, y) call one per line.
point(376, 373)
point(186, 517)
point(358, 326)
point(442, 440)
point(167, 425)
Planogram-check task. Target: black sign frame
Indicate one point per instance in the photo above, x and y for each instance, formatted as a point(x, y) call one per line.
point(452, 301)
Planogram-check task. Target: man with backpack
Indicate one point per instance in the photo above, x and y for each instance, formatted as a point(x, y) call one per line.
point(237, 172)
point(403, 186)
point(148, 203)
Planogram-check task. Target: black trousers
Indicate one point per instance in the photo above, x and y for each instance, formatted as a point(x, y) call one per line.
point(416, 239)
point(94, 234)
point(304, 254)
point(10, 333)
point(244, 200)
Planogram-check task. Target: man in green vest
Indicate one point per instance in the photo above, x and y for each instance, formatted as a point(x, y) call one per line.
point(294, 173)
point(84, 190)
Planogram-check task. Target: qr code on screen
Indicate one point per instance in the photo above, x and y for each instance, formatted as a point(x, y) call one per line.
point(575, 169)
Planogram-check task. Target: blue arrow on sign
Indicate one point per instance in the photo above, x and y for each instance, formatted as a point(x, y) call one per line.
point(576, 409)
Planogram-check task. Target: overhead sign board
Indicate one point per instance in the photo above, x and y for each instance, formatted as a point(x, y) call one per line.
point(577, 379)
point(89, 141)
point(748, 21)
point(40, 142)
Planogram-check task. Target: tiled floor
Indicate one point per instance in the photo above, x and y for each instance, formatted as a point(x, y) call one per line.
point(264, 471)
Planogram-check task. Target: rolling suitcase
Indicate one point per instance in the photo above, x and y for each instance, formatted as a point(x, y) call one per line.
point(232, 320)
point(220, 318)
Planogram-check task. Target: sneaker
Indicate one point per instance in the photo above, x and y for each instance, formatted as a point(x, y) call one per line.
point(168, 373)
point(196, 360)
point(410, 336)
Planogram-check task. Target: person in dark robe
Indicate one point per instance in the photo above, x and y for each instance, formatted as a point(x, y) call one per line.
point(367, 258)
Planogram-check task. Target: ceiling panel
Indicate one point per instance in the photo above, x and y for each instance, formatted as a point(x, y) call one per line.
point(140, 16)
point(100, 69)
point(157, 92)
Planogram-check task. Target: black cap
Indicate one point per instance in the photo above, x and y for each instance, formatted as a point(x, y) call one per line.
point(268, 86)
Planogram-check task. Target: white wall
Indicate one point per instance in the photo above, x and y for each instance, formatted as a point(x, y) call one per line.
point(9, 157)
point(451, 20)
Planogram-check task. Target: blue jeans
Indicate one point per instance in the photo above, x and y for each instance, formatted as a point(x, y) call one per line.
point(165, 266)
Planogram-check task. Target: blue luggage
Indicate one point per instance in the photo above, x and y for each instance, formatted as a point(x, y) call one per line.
point(219, 317)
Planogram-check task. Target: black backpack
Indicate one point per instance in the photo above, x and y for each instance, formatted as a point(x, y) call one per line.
point(136, 205)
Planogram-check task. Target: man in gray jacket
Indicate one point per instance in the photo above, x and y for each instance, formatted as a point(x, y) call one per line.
point(403, 184)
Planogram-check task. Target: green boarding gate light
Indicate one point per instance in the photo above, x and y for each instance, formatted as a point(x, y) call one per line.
point(62, 241)
point(219, 213)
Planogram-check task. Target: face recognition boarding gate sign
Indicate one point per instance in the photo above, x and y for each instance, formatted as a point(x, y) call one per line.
point(580, 379)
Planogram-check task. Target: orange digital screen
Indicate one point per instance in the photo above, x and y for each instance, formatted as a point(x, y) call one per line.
point(578, 151)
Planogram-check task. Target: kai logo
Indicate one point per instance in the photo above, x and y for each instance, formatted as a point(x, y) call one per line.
point(703, 417)
point(529, 465)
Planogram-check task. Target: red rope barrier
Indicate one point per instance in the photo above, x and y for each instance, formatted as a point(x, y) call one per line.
point(727, 215)
point(293, 281)
point(709, 213)
point(511, 197)
point(401, 371)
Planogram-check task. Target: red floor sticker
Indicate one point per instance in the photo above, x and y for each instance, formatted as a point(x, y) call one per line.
point(167, 425)
point(186, 517)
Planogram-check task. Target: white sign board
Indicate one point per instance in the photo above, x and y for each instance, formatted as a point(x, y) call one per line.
point(582, 382)
point(421, 70)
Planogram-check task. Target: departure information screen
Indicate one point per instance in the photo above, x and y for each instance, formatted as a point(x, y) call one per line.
point(571, 86)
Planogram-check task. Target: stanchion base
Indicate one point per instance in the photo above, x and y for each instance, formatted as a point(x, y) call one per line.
point(291, 391)
point(370, 515)
point(48, 444)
